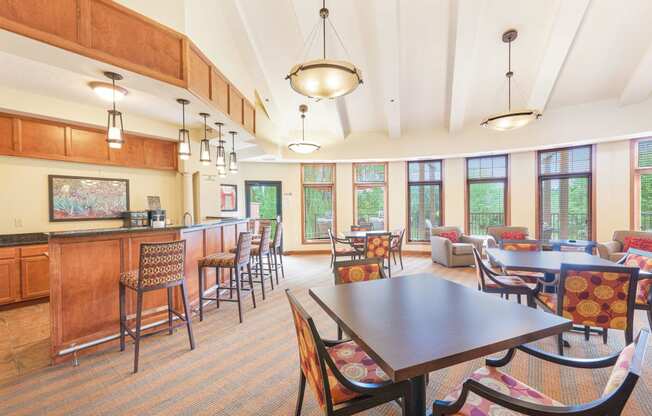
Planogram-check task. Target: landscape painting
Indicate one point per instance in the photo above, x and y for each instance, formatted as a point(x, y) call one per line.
point(75, 198)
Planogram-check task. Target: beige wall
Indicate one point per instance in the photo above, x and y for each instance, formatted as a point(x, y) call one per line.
point(612, 173)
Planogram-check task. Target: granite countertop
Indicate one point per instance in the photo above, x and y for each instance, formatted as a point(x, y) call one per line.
point(42, 238)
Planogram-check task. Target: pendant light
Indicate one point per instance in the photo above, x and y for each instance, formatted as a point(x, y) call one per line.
point(510, 120)
point(233, 158)
point(204, 145)
point(220, 161)
point(184, 134)
point(324, 78)
point(303, 146)
point(114, 134)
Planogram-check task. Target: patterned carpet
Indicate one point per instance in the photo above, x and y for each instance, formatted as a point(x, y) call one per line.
point(252, 369)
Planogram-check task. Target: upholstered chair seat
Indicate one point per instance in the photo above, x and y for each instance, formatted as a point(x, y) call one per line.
point(255, 249)
point(462, 249)
point(218, 260)
point(510, 281)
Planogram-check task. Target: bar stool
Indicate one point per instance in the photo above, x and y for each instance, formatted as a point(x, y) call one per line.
point(260, 251)
point(235, 263)
point(277, 250)
point(162, 266)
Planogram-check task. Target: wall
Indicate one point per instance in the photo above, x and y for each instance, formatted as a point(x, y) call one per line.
point(613, 188)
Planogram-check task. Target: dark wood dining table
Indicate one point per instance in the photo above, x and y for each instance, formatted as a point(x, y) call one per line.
point(413, 325)
point(543, 261)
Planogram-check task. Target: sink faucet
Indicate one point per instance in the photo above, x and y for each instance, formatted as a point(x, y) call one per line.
point(187, 214)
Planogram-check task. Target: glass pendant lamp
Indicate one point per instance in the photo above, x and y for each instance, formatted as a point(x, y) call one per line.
point(303, 146)
point(205, 146)
point(220, 159)
point(184, 134)
point(233, 158)
point(114, 127)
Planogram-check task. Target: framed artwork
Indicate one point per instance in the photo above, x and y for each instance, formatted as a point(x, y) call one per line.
point(79, 198)
point(228, 198)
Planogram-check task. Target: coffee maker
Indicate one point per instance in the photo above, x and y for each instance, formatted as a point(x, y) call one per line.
point(156, 218)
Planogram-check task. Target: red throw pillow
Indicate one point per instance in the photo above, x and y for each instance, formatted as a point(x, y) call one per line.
point(451, 235)
point(640, 243)
point(513, 235)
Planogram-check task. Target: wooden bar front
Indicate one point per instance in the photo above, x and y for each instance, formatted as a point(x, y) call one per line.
point(85, 272)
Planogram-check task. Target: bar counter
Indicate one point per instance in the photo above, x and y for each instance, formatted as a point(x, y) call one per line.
point(85, 269)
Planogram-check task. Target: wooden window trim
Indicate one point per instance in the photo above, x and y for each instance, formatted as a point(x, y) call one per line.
point(332, 186)
point(592, 187)
point(407, 199)
point(506, 193)
point(362, 185)
point(635, 183)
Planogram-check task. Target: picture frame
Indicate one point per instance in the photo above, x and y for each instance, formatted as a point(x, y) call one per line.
point(84, 198)
point(228, 198)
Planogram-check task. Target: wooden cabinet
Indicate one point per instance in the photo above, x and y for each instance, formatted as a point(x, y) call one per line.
point(6, 134)
point(9, 281)
point(24, 273)
point(34, 277)
point(88, 145)
point(220, 91)
point(249, 117)
point(199, 73)
point(55, 17)
point(235, 105)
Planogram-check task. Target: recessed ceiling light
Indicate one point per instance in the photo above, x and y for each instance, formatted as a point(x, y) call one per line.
point(105, 91)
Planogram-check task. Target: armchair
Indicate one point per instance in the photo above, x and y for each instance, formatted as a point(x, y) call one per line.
point(614, 249)
point(452, 254)
point(496, 234)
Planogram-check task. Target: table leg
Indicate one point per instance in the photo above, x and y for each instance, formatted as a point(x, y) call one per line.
point(418, 404)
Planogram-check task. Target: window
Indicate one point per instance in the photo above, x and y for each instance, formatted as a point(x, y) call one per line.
point(370, 195)
point(643, 185)
point(318, 201)
point(565, 193)
point(424, 197)
point(486, 181)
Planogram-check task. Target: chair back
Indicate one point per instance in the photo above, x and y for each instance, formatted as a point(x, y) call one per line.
point(333, 241)
point(358, 270)
point(279, 234)
point(520, 245)
point(598, 296)
point(480, 269)
point(378, 245)
point(360, 228)
point(436, 231)
point(251, 226)
point(642, 260)
point(161, 263)
point(311, 364)
point(397, 238)
point(243, 249)
point(627, 370)
point(265, 240)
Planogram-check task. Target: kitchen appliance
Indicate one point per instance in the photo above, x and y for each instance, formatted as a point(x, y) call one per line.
point(157, 218)
point(135, 219)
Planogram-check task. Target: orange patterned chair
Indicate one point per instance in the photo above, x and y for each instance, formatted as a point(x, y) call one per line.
point(341, 247)
point(161, 266)
point(357, 271)
point(642, 260)
point(594, 297)
point(379, 245)
point(343, 377)
point(489, 391)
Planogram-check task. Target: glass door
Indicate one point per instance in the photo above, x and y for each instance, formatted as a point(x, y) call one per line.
point(263, 200)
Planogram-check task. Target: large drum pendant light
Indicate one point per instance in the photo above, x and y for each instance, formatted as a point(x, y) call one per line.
point(184, 134)
point(510, 120)
point(324, 78)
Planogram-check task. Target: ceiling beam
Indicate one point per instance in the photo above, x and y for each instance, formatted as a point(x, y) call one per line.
point(567, 23)
point(465, 20)
point(639, 84)
point(386, 15)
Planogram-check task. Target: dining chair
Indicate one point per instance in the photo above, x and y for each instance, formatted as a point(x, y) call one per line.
point(340, 247)
point(504, 285)
point(161, 266)
point(377, 245)
point(523, 245)
point(344, 379)
point(489, 391)
point(642, 260)
point(358, 242)
point(594, 297)
point(397, 245)
point(360, 270)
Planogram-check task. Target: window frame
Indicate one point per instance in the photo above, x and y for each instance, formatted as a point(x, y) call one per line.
point(470, 181)
point(591, 186)
point(333, 188)
point(366, 185)
point(635, 183)
point(409, 183)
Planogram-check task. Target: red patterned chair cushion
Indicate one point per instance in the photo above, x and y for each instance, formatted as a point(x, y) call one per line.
point(355, 365)
point(643, 291)
point(345, 251)
point(549, 300)
point(620, 370)
point(502, 383)
point(451, 235)
point(358, 273)
point(510, 281)
point(521, 246)
point(644, 263)
point(513, 235)
point(378, 246)
point(593, 298)
point(640, 243)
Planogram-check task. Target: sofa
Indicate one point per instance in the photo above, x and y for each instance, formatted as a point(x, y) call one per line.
point(450, 254)
point(496, 234)
point(614, 250)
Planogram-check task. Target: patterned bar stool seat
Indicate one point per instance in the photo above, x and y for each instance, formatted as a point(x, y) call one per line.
point(234, 262)
point(162, 266)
